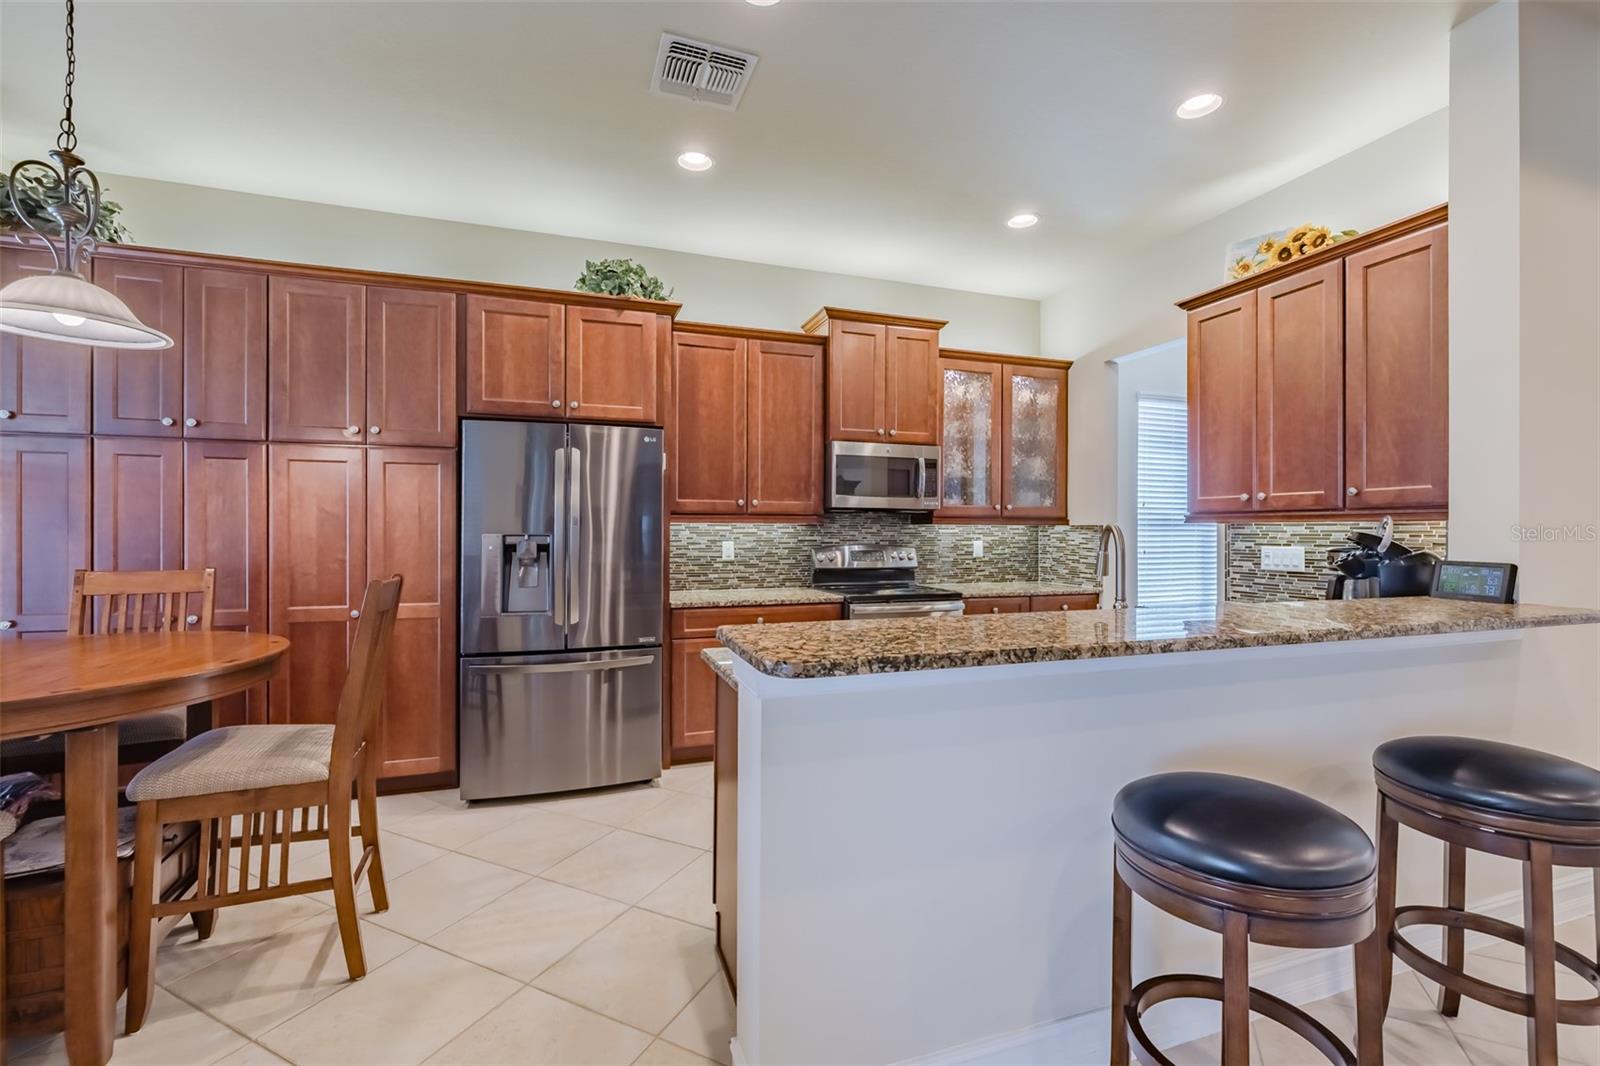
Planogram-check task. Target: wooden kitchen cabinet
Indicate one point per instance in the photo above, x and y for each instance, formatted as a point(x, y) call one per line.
point(1300, 391)
point(44, 385)
point(746, 428)
point(138, 503)
point(139, 391)
point(1397, 356)
point(224, 354)
point(612, 369)
point(44, 508)
point(973, 436)
point(1034, 459)
point(316, 360)
point(996, 605)
point(1074, 602)
point(515, 357)
point(411, 367)
point(225, 528)
point(883, 375)
point(1222, 406)
point(411, 531)
point(1005, 437)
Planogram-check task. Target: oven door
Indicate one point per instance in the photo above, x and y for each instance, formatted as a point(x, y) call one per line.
point(883, 477)
point(914, 609)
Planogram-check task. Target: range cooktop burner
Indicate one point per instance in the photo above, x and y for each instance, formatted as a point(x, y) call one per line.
point(865, 592)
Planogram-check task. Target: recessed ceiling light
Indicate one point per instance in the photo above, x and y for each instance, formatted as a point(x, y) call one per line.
point(1023, 221)
point(761, 3)
point(695, 161)
point(1196, 106)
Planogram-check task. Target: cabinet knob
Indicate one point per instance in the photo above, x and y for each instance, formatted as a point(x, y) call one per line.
point(556, 404)
point(6, 623)
point(352, 431)
point(374, 430)
point(1244, 497)
point(997, 507)
point(1351, 491)
point(1261, 495)
point(1066, 606)
point(740, 502)
point(755, 503)
point(573, 405)
point(8, 414)
point(169, 421)
point(191, 619)
point(1008, 507)
point(880, 432)
point(994, 610)
point(760, 620)
point(355, 614)
point(891, 433)
point(191, 422)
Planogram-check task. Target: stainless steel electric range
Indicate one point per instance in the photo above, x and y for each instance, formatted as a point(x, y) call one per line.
point(880, 581)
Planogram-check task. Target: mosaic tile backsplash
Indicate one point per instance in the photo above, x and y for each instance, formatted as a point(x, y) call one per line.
point(770, 554)
point(1247, 581)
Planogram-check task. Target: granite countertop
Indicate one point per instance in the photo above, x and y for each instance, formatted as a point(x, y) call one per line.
point(972, 589)
point(842, 649)
point(721, 662)
point(749, 597)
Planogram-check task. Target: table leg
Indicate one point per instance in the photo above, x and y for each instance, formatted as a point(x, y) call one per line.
point(91, 894)
point(200, 720)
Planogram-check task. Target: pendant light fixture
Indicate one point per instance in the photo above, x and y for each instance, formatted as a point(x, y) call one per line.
point(64, 305)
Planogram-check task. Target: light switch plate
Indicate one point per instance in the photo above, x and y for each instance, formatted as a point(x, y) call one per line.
point(977, 547)
point(727, 550)
point(1283, 558)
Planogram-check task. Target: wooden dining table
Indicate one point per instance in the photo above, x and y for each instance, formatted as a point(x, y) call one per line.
point(83, 686)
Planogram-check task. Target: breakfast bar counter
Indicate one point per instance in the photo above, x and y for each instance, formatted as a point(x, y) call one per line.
point(921, 807)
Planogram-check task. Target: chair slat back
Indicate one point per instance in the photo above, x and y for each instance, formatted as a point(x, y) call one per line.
point(140, 601)
point(365, 680)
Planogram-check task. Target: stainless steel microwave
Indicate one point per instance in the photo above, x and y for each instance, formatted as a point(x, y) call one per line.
point(883, 477)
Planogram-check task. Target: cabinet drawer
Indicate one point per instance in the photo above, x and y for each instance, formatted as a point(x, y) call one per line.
point(703, 621)
point(997, 605)
point(1086, 602)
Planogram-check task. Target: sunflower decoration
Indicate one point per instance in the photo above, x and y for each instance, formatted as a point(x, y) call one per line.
point(1242, 267)
point(1250, 257)
point(1286, 252)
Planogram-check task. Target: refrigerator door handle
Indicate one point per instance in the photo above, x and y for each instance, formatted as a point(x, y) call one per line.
point(574, 559)
point(564, 668)
point(558, 563)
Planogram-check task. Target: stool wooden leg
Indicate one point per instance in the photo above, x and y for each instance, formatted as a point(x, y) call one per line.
point(1370, 955)
point(1388, 855)
point(1539, 957)
point(1121, 965)
point(1235, 989)
point(1455, 937)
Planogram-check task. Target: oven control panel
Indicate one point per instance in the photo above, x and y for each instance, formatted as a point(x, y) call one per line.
point(865, 557)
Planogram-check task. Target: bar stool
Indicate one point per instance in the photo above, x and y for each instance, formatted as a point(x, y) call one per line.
point(1504, 800)
point(1255, 862)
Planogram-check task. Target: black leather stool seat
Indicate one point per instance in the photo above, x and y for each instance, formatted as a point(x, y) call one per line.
point(1494, 777)
point(1242, 830)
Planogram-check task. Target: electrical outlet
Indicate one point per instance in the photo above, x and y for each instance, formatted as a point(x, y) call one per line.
point(1283, 558)
point(977, 547)
point(727, 550)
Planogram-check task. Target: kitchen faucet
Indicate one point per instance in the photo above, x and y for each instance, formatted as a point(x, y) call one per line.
point(1111, 535)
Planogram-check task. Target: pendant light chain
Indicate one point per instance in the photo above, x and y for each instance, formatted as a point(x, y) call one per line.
point(67, 139)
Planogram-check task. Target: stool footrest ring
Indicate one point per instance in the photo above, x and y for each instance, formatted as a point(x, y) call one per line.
point(1568, 1011)
point(1200, 986)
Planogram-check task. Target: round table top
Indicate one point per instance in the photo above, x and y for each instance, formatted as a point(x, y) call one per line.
point(53, 682)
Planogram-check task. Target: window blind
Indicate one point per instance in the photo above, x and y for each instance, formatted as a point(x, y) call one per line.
point(1176, 560)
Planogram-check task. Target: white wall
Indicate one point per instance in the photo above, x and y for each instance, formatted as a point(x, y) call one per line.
point(1128, 306)
point(1162, 370)
point(711, 289)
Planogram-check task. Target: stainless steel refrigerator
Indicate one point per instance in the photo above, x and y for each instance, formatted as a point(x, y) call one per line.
point(561, 593)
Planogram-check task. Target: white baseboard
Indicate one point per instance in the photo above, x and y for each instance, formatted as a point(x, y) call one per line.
point(1299, 977)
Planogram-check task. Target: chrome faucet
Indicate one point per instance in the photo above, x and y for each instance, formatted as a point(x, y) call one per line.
point(1111, 536)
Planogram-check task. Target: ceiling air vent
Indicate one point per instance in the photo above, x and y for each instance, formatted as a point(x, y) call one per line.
point(701, 71)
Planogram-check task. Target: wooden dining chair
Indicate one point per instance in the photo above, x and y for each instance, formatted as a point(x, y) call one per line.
point(261, 777)
point(128, 601)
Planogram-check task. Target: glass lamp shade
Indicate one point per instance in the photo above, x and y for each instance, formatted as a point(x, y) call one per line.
point(62, 306)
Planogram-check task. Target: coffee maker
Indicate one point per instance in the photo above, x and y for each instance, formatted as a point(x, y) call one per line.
point(1374, 564)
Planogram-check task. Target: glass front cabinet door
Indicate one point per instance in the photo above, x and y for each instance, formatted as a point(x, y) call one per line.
point(972, 438)
point(1005, 440)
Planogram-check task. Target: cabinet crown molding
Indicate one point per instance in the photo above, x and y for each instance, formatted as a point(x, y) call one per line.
point(713, 329)
point(826, 314)
point(998, 357)
point(1433, 216)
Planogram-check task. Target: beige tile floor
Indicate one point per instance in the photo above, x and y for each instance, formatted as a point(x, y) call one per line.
point(578, 930)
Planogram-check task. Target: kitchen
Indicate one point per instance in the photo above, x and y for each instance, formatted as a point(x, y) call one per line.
point(751, 629)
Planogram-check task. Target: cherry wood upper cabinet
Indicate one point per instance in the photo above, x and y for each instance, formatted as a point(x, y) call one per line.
point(856, 381)
point(225, 528)
point(785, 426)
point(140, 390)
point(972, 442)
point(44, 527)
point(1222, 406)
point(515, 358)
point(1300, 391)
point(411, 531)
point(44, 385)
point(138, 504)
point(612, 368)
point(224, 355)
point(316, 360)
point(708, 465)
point(912, 386)
point(317, 570)
point(411, 367)
point(1397, 391)
point(1034, 462)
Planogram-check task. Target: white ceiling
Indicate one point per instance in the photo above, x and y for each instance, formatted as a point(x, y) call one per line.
point(890, 140)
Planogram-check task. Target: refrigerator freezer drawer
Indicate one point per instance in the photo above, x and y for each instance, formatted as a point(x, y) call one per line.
point(532, 724)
